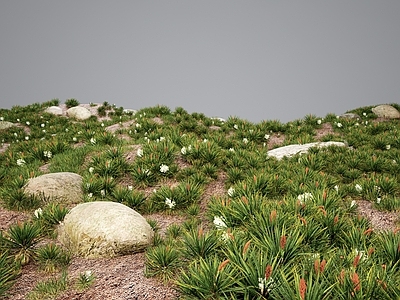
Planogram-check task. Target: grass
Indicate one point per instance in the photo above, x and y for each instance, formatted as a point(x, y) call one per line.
point(276, 229)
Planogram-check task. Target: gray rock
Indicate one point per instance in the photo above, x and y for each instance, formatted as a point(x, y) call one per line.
point(291, 150)
point(350, 116)
point(6, 125)
point(386, 111)
point(55, 110)
point(79, 112)
point(104, 229)
point(62, 187)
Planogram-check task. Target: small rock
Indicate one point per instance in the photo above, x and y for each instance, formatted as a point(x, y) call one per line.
point(6, 125)
point(55, 110)
point(350, 116)
point(78, 112)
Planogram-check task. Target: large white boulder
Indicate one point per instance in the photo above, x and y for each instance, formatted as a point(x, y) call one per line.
point(62, 187)
point(104, 229)
point(79, 112)
point(55, 110)
point(386, 111)
point(294, 149)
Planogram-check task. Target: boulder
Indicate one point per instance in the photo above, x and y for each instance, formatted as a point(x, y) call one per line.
point(104, 229)
point(62, 187)
point(79, 112)
point(6, 125)
point(386, 111)
point(294, 149)
point(55, 110)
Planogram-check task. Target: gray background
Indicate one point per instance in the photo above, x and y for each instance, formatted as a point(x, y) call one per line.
point(252, 59)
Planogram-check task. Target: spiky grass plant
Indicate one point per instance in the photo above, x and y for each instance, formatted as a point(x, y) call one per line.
point(162, 261)
point(20, 240)
point(8, 272)
point(52, 258)
point(85, 280)
point(199, 244)
point(49, 289)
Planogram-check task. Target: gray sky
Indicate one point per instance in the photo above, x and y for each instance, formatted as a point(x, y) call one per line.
point(258, 60)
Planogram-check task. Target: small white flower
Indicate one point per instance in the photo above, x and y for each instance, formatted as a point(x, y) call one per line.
point(337, 188)
point(205, 141)
point(102, 124)
point(130, 187)
point(15, 134)
point(91, 169)
point(387, 147)
point(339, 125)
point(162, 138)
point(378, 200)
point(235, 126)
point(102, 193)
point(231, 150)
point(362, 254)
point(42, 125)
point(139, 152)
point(44, 130)
point(38, 213)
point(170, 203)
point(27, 138)
point(21, 162)
point(364, 114)
point(90, 195)
point(319, 121)
point(303, 198)
point(1, 118)
point(138, 125)
point(245, 140)
point(353, 203)
point(79, 132)
point(366, 122)
point(267, 136)
point(66, 129)
point(87, 274)
point(164, 168)
point(93, 141)
point(337, 117)
point(18, 120)
point(231, 191)
point(74, 139)
point(357, 124)
point(183, 150)
point(219, 222)
point(358, 188)
point(28, 123)
point(47, 154)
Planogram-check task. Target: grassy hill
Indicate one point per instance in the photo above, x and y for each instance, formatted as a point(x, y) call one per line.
point(251, 226)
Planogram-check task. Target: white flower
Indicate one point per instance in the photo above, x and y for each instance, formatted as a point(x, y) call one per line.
point(38, 213)
point(184, 150)
point(164, 168)
point(387, 147)
point(138, 125)
point(205, 141)
point(130, 187)
point(18, 120)
point(358, 188)
point(74, 139)
point(353, 203)
point(170, 203)
point(235, 126)
point(44, 130)
point(66, 129)
point(90, 195)
point(219, 222)
point(42, 125)
point(21, 162)
point(87, 274)
point(93, 141)
point(162, 138)
point(337, 188)
point(364, 114)
point(27, 138)
point(267, 136)
point(319, 121)
point(304, 197)
point(102, 193)
point(28, 123)
point(366, 122)
point(378, 200)
point(339, 125)
point(47, 154)
point(91, 169)
point(231, 150)
point(245, 140)
point(15, 134)
point(102, 124)
point(1, 118)
point(139, 152)
point(362, 254)
point(231, 191)
point(357, 124)
point(224, 236)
